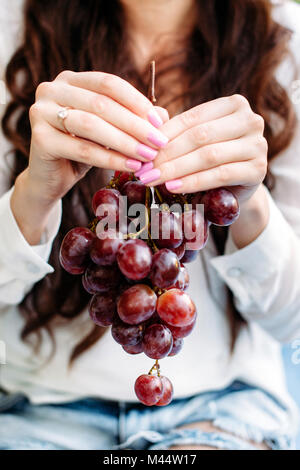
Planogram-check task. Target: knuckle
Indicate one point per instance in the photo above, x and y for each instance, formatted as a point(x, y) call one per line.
point(262, 168)
point(239, 101)
point(65, 75)
point(211, 156)
point(84, 151)
point(98, 104)
point(190, 118)
point(107, 82)
point(39, 136)
point(86, 122)
point(168, 171)
point(34, 112)
point(262, 144)
point(258, 121)
point(223, 174)
point(198, 134)
point(43, 89)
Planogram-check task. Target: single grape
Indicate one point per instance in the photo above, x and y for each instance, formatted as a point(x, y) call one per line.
point(221, 206)
point(189, 256)
point(149, 389)
point(167, 393)
point(101, 279)
point(106, 204)
point(74, 250)
point(157, 341)
point(135, 192)
point(165, 268)
point(179, 251)
point(195, 229)
point(102, 308)
point(104, 249)
point(137, 349)
point(169, 230)
point(135, 259)
point(87, 287)
point(177, 345)
point(181, 331)
point(183, 280)
point(127, 335)
point(122, 177)
point(137, 304)
point(176, 308)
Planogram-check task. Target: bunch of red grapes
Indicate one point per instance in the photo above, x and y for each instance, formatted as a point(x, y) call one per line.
point(138, 282)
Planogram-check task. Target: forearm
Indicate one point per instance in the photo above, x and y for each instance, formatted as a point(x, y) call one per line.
point(31, 212)
point(253, 219)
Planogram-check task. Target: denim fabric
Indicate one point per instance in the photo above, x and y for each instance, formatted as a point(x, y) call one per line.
point(241, 412)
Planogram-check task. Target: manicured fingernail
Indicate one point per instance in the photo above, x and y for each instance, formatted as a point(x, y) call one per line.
point(150, 176)
point(158, 139)
point(155, 118)
point(145, 167)
point(174, 184)
point(133, 165)
point(146, 152)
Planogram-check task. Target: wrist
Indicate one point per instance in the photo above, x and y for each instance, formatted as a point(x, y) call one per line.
point(30, 209)
point(253, 218)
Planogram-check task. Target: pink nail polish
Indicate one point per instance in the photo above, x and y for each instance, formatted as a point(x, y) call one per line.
point(155, 118)
point(133, 165)
point(150, 176)
point(146, 152)
point(173, 185)
point(145, 167)
point(158, 139)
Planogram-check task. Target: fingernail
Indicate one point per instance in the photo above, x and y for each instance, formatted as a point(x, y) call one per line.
point(158, 139)
point(150, 176)
point(155, 118)
point(133, 165)
point(146, 152)
point(145, 167)
point(174, 184)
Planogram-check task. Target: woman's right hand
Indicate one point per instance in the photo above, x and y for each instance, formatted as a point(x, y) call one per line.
point(105, 111)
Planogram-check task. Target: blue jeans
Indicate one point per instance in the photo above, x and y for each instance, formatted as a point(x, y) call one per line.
point(241, 412)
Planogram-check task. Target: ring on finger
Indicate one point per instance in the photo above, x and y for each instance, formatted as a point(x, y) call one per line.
point(62, 116)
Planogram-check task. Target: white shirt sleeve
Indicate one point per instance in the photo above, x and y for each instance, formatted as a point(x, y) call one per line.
point(265, 275)
point(22, 265)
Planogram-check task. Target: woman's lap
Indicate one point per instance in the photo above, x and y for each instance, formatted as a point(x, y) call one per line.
point(239, 414)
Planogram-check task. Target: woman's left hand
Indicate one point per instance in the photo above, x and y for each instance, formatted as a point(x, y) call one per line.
point(219, 143)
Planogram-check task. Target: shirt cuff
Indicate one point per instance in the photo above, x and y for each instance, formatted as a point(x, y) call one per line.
point(24, 261)
point(242, 269)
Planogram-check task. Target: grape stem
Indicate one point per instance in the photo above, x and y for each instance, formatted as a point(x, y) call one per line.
point(156, 367)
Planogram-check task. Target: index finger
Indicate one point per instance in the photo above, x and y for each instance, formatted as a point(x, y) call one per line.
point(116, 88)
point(205, 112)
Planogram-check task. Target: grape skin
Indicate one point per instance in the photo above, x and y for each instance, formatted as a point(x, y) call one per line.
point(157, 341)
point(165, 268)
point(104, 250)
point(137, 304)
point(127, 335)
point(102, 309)
point(101, 279)
point(177, 346)
point(135, 259)
point(75, 248)
point(176, 308)
point(221, 206)
point(148, 389)
point(167, 393)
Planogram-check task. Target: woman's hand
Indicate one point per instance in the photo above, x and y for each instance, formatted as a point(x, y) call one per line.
point(219, 143)
point(113, 126)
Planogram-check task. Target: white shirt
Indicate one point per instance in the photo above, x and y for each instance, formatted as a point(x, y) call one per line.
point(264, 277)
